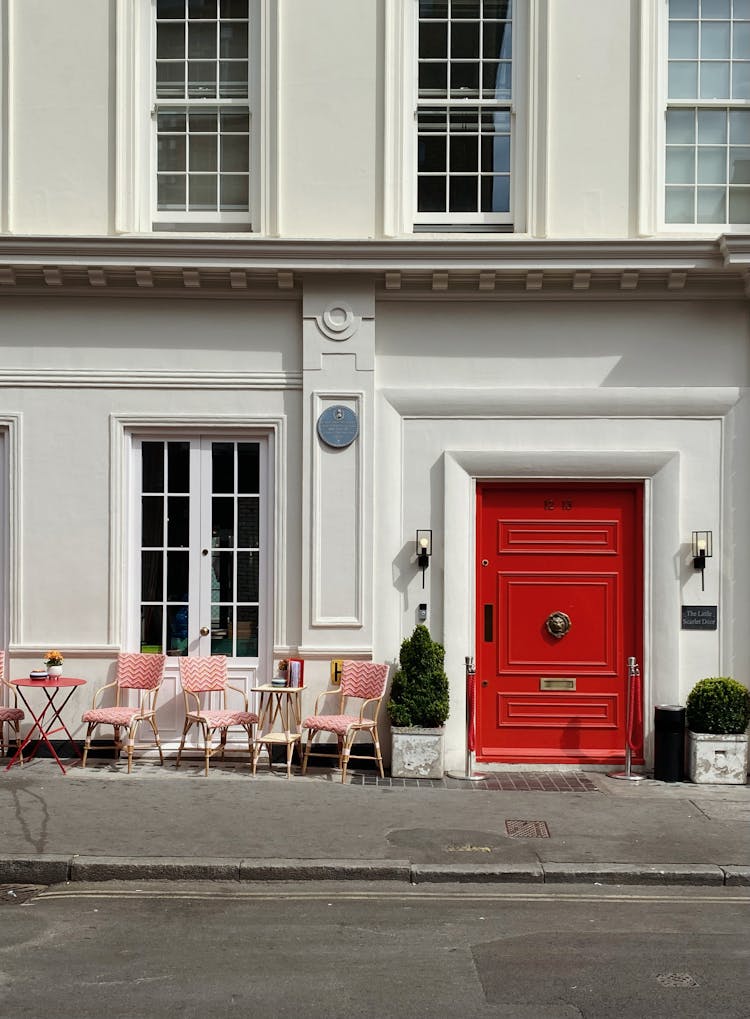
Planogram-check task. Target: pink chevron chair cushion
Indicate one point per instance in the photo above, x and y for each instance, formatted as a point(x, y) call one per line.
point(202, 674)
point(332, 723)
point(363, 679)
point(110, 716)
point(138, 671)
point(10, 714)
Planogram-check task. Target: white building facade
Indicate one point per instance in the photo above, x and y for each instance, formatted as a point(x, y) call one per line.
point(507, 244)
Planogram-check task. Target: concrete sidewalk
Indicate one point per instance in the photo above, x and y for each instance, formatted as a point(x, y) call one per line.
point(102, 824)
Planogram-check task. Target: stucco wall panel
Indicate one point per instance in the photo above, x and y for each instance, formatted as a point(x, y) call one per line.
point(597, 344)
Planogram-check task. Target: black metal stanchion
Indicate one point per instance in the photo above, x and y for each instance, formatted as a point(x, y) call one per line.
point(469, 775)
point(633, 674)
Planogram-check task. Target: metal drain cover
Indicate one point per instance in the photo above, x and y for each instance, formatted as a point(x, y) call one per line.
point(526, 829)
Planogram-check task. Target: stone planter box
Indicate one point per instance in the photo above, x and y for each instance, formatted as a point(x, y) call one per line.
point(717, 759)
point(416, 752)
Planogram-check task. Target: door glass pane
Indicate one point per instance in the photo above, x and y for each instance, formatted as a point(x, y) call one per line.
point(177, 629)
point(247, 576)
point(152, 467)
point(222, 580)
point(151, 623)
point(152, 521)
point(178, 472)
point(222, 524)
point(222, 630)
point(152, 579)
point(178, 521)
point(248, 523)
point(178, 565)
point(247, 631)
point(222, 467)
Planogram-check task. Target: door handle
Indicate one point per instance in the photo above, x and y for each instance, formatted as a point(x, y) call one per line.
point(488, 621)
point(205, 631)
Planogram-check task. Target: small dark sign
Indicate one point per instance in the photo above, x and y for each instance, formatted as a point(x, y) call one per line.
point(699, 617)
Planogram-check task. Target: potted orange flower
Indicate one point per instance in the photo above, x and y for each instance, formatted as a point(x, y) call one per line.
point(54, 662)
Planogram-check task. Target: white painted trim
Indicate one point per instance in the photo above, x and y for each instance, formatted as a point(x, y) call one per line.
point(318, 497)
point(11, 502)
point(75, 378)
point(11, 535)
point(132, 175)
point(122, 428)
point(710, 402)
point(395, 149)
point(536, 82)
point(4, 116)
point(650, 136)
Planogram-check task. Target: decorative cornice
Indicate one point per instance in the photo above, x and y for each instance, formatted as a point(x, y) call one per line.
point(511, 267)
point(59, 378)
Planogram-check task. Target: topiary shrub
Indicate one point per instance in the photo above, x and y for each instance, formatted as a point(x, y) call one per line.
point(718, 705)
point(419, 692)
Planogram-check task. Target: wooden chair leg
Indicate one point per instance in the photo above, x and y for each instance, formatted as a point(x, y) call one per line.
point(378, 755)
point(18, 742)
point(185, 728)
point(157, 739)
point(289, 752)
point(206, 745)
point(87, 743)
point(345, 748)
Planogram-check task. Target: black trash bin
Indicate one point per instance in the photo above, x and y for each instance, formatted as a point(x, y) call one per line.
point(669, 743)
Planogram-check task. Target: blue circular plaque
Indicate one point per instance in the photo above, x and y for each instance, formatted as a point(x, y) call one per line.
point(338, 426)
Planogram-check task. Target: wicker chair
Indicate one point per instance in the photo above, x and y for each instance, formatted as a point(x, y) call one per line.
point(200, 678)
point(11, 714)
point(134, 672)
point(360, 681)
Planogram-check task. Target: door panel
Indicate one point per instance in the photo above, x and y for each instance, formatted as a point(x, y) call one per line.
point(559, 594)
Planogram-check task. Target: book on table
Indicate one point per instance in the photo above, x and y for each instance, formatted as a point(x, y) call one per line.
point(296, 672)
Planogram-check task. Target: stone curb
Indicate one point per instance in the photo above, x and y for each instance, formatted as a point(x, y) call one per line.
point(478, 873)
point(48, 869)
point(634, 873)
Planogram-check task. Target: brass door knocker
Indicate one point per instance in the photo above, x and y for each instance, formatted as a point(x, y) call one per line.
point(558, 624)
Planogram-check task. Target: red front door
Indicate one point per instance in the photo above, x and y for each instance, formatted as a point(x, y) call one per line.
point(559, 597)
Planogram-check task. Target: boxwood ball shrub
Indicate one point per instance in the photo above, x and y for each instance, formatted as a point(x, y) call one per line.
point(718, 705)
point(419, 692)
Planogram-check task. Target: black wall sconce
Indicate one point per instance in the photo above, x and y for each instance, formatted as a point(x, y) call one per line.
point(703, 548)
point(424, 550)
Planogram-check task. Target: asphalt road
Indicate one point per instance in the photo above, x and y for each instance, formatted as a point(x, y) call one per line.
point(325, 950)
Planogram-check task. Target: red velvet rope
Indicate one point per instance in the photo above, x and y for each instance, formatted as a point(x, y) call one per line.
point(636, 710)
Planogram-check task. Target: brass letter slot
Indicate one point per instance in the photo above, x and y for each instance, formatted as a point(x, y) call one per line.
point(557, 684)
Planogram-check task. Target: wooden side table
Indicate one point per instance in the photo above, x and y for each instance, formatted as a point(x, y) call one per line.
point(279, 721)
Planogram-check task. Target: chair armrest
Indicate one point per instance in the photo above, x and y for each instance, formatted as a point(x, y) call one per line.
point(238, 690)
point(100, 691)
point(321, 697)
point(373, 700)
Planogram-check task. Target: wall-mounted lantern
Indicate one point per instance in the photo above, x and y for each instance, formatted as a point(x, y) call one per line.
point(424, 550)
point(703, 548)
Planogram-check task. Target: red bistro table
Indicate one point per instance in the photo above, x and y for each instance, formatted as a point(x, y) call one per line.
point(52, 686)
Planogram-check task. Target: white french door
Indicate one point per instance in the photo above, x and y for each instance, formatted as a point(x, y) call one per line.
point(200, 569)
